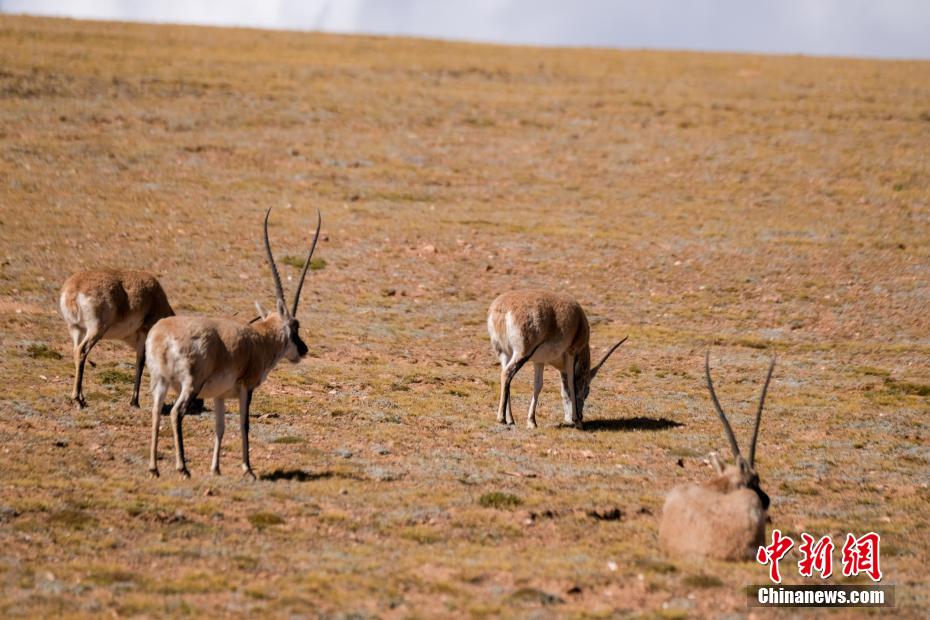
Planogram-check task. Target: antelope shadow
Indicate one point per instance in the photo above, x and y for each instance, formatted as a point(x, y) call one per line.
point(298, 475)
point(638, 423)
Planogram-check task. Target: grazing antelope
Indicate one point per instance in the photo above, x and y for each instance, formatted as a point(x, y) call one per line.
point(220, 359)
point(723, 518)
point(548, 329)
point(113, 304)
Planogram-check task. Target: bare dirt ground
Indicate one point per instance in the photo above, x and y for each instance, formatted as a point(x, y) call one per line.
point(740, 203)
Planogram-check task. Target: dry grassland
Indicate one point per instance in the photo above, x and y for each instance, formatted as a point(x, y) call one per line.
point(744, 203)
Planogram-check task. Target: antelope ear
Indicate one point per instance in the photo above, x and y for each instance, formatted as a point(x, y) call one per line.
point(715, 463)
point(261, 311)
point(282, 309)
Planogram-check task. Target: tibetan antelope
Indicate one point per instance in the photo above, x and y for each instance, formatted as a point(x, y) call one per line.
point(112, 304)
point(723, 518)
point(548, 329)
point(220, 359)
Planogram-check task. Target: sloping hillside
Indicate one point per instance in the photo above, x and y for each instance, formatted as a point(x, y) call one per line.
point(740, 203)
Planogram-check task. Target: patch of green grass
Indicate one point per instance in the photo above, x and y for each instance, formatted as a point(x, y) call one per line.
point(316, 264)
point(72, 518)
point(287, 439)
point(656, 566)
point(683, 451)
point(262, 520)
point(752, 343)
point(497, 499)
point(895, 390)
point(423, 534)
point(892, 550)
point(702, 581)
point(476, 121)
point(392, 196)
point(800, 488)
point(259, 595)
point(245, 562)
point(906, 387)
point(42, 351)
point(108, 576)
point(871, 371)
point(112, 376)
point(193, 583)
point(26, 579)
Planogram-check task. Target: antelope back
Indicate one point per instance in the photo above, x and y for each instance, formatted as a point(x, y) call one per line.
point(110, 296)
point(701, 521)
point(521, 320)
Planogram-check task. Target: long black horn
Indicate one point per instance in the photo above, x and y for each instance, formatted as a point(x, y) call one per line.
point(755, 430)
point(523, 360)
point(595, 370)
point(278, 291)
point(303, 274)
point(723, 418)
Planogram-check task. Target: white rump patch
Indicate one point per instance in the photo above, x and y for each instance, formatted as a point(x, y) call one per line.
point(514, 336)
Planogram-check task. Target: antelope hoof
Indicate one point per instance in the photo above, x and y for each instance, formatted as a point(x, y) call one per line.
point(80, 402)
point(531, 424)
point(183, 472)
point(579, 425)
point(134, 402)
point(153, 472)
point(248, 473)
point(215, 471)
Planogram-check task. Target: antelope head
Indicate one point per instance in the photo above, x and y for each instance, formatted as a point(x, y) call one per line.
point(284, 318)
point(743, 473)
point(583, 375)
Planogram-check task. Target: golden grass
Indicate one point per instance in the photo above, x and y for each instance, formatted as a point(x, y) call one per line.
point(744, 203)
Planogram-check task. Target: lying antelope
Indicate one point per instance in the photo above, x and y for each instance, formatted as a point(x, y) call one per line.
point(220, 359)
point(548, 329)
point(723, 518)
point(112, 304)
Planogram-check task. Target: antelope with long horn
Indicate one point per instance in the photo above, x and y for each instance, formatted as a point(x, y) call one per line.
point(544, 328)
point(723, 518)
point(111, 304)
point(220, 359)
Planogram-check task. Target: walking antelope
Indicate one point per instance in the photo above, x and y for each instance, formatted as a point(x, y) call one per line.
point(723, 518)
point(112, 304)
point(548, 329)
point(220, 359)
